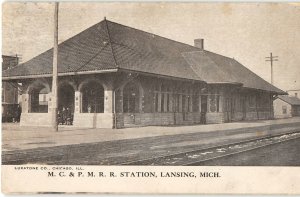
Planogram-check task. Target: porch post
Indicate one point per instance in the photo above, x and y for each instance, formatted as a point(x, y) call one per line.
point(208, 102)
point(221, 101)
point(180, 103)
point(165, 102)
point(171, 97)
point(159, 100)
point(49, 99)
point(199, 96)
point(26, 104)
point(119, 101)
point(191, 103)
point(78, 102)
point(186, 105)
point(108, 101)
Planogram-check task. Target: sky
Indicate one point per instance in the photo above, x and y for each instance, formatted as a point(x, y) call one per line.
point(247, 32)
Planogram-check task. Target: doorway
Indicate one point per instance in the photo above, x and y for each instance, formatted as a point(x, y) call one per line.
point(66, 94)
point(92, 98)
point(203, 109)
point(131, 103)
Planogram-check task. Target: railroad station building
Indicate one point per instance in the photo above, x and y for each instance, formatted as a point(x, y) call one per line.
point(286, 106)
point(114, 76)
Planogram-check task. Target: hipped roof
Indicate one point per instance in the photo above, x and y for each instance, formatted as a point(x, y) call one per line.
point(292, 100)
point(108, 46)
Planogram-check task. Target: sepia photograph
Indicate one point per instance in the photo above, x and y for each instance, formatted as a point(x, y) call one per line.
point(168, 85)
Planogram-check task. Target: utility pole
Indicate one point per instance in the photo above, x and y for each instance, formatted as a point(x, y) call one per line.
point(272, 59)
point(54, 78)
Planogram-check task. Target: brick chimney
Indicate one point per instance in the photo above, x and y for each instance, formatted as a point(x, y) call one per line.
point(199, 43)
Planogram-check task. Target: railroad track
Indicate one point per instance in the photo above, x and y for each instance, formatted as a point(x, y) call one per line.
point(188, 157)
point(198, 156)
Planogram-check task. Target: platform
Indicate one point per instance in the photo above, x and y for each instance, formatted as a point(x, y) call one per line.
point(15, 137)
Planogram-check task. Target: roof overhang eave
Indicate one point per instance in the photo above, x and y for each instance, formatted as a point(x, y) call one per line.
point(60, 74)
point(160, 75)
point(273, 92)
point(281, 93)
point(293, 104)
point(225, 83)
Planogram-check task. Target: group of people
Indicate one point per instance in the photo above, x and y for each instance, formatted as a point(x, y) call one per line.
point(65, 116)
point(18, 112)
point(11, 113)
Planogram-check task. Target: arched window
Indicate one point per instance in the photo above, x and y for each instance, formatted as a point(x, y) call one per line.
point(92, 97)
point(131, 98)
point(39, 99)
point(66, 94)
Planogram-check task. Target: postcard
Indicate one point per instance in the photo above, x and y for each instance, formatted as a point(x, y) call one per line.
point(150, 98)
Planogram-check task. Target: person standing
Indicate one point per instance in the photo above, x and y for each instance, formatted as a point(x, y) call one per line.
point(64, 115)
point(19, 111)
point(68, 116)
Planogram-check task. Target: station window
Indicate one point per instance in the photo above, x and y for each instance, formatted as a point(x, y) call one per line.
point(189, 104)
point(177, 102)
point(284, 109)
point(218, 103)
point(183, 103)
point(131, 98)
point(212, 102)
point(162, 103)
point(252, 101)
point(196, 103)
point(168, 102)
point(155, 102)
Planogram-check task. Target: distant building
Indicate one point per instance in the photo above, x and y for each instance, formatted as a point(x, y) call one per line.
point(111, 75)
point(286, 106)
point(9, 89)
point(10, 92)
point(295, 93)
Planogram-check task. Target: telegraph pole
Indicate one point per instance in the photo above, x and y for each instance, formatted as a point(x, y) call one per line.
point(272, 59)
point(54, 79)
